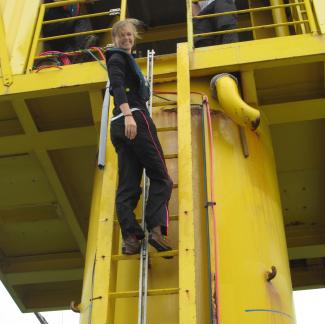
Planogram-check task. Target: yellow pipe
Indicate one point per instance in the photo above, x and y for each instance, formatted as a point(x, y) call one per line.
point(279, 17)
point(224, 86)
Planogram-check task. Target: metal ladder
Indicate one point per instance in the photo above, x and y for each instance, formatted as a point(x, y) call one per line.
point(143, 276)
point(107, 288)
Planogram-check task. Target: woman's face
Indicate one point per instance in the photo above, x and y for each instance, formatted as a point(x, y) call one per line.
point(125, 39)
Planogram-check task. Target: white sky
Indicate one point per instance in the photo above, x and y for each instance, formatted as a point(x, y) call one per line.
point(309, 304)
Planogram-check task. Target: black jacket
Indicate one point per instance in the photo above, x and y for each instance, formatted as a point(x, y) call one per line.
point(125, 83)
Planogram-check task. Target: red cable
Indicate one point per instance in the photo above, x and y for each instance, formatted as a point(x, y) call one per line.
point(212, 175)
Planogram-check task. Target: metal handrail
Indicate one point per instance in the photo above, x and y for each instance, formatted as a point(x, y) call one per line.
point(310, 21)
point(40, 22)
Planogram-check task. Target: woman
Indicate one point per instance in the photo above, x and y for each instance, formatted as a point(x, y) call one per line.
point(134, 137)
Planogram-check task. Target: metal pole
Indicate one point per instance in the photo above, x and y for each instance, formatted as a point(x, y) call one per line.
point(41, 319)
point(103, 129)
point(143, 278)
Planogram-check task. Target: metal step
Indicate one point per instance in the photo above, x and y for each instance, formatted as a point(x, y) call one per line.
point(170, 156)
point(165, 103)
point(167, 129)
point(120, 257)
point(172, 218)
point(151, 292)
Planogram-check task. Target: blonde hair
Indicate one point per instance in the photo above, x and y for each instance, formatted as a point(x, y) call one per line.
point(134, 24)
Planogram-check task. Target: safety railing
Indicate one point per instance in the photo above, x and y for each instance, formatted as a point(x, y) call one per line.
point(39, 39)
point(296, 13)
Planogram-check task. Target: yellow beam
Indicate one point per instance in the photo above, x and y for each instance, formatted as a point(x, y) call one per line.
point(73, 78)
point(187, 282)
point(29, 127)
point(43, 262)
point(260, 53)
point(37, 277)
point(4, 57)
point(50, 140)
point(307, 252)
point(101, 310)
point(96, 102)
point(296, 111)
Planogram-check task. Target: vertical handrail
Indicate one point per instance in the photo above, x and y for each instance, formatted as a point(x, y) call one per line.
point(189, 16)
point(310, 16)
point(37, 34)
point(279, 17)
point(123, 9)
point(4, 56)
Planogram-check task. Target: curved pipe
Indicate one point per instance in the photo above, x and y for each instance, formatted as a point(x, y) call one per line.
point(224, 88)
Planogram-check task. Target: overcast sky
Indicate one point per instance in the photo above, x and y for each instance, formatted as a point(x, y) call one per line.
point(310, 309)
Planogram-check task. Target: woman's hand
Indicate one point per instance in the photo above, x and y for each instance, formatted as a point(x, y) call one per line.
point(130, 127)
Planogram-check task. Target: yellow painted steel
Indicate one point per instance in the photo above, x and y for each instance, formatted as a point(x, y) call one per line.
point(19, 19)
point(319, 6)
point(250, 227)
point(232, 104)
point(4, 57)
point(250, 230)
point(187, 277)
point(279, 17)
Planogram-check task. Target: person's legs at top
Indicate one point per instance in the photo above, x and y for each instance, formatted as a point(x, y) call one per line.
point(84, 41)
point(225, 22)
point(205, 25)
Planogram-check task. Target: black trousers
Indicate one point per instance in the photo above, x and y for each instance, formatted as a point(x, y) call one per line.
point(143, 152)
point(216, 24)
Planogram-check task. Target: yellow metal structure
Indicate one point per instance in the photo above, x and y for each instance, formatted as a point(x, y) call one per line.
point(59, 237)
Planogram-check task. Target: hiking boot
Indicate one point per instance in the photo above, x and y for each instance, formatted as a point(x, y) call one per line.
point(131, 245)
point(159, 241)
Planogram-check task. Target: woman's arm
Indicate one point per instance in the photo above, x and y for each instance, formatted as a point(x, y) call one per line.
point(117, 75)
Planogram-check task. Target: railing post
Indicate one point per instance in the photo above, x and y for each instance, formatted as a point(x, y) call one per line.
point(4, 57)
point(123, 9)
point(189, 19)
point(310, 16)
point(37, 34)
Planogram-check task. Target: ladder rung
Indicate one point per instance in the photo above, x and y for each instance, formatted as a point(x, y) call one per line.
point(171, 156)
point(165, 103)
point(119, 257)
point(171, 219)
point(175, 185)
point(167, 129)
point(151, 292)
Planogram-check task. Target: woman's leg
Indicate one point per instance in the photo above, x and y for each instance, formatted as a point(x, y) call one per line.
point(149, 152)
point(226, 22)
point(128, 191)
